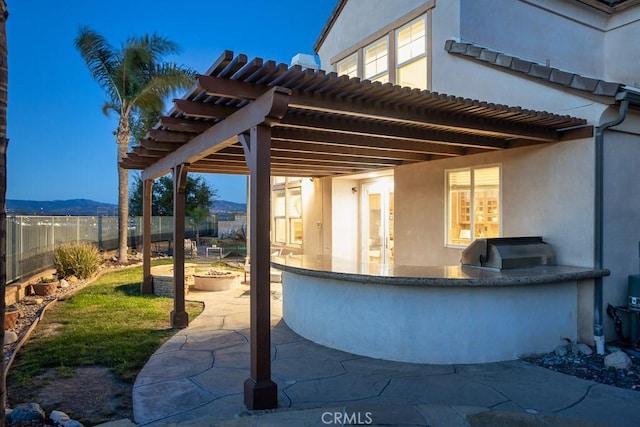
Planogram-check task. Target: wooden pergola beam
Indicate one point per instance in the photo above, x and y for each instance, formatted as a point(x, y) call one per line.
point(272, 105)
point(169, 136)
point(198, 109)
point(183, 125)
point(317, 102)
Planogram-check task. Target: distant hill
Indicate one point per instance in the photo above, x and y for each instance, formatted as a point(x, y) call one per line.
point(225, 206)
point(77, 207)
point(84, 207)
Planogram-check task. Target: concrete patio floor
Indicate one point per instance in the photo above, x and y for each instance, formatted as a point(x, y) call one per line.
point(196, 379)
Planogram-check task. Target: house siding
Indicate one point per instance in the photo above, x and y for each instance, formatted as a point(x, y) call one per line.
point(543, 193)
point(621, 209)
point(486, 23)
point(546, 189)
point(357, 21)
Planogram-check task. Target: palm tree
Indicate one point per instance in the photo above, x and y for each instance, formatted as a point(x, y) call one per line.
point(137, 82)
point(4, 80)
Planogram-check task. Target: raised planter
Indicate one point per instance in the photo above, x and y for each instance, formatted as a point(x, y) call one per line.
point(10, 318)
point(216, 280)
point(163, 279)
point(44, 289)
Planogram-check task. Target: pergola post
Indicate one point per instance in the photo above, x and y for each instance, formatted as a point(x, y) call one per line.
point(147, 279)
point(260, 392)
point(179, 317)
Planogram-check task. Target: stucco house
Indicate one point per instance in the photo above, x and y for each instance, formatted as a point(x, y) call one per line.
point(565, 57)
point(366, 162)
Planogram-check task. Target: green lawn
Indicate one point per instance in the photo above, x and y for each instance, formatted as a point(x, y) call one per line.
point(108, 323)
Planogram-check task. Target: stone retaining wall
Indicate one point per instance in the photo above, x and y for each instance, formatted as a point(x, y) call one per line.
point(163, 279)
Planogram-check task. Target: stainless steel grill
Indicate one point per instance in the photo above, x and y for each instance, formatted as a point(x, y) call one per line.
point(508, 253)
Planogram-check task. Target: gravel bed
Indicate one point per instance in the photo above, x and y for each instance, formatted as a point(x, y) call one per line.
point(31, 308)
point(591, 367)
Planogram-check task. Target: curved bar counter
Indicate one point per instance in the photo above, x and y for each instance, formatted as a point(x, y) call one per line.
point(446, 314)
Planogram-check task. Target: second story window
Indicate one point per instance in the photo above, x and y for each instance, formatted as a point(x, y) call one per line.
point(397, 53)
point(348, 66)
point(411, 54)
point(376, 61)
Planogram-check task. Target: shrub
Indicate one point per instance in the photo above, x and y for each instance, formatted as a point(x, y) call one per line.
point(77, 259)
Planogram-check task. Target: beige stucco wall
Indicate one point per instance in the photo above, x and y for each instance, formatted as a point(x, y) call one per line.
point(621, 62)
point(546, 190)
point(622, 208)
point(357, 21)
point(487, 22)
point(345, 224)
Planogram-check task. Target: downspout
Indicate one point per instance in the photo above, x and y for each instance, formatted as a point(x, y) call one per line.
point(598, 333)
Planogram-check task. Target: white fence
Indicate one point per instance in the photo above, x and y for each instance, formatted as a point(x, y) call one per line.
point(31, 240)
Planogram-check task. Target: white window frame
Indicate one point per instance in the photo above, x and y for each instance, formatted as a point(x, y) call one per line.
point(285, 188)
point(447, 207)
point(389, 32)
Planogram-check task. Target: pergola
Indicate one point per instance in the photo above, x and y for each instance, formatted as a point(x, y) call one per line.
point(259, 118)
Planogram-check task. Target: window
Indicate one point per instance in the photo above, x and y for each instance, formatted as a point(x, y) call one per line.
point(473, 204)
point(411, 54)
point(348, 66)
point(279, 216)
point(397, 53)
point(376, 61)
point(287, 210)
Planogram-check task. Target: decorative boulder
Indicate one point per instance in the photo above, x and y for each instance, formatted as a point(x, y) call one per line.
point(59, 418)
point(10, 337)
point(26, 412)
point(618, 360)
point(561, 351)
point(63, 283)
point(584, 349)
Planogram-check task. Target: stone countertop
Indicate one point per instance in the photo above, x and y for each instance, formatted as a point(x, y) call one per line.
point(449, 275)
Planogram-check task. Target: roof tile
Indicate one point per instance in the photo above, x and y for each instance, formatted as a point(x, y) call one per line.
point(583, 83)
point(521, 65)
point(560, 77)
point(607, 88)
point(488, 55)
point(540, 71)
point(532, 69)
point(504, 60)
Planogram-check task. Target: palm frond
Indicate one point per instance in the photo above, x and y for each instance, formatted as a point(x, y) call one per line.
point(101, 59)
point(110, 106)
point(163, 80)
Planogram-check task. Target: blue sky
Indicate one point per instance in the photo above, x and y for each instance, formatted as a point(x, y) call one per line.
point(61, 145)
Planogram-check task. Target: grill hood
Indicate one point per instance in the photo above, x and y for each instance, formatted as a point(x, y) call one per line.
point(508, 253)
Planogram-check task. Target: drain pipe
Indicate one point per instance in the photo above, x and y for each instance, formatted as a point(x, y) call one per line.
point(598, 332)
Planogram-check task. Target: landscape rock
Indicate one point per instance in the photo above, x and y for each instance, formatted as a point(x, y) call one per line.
point(73, 423)
point(561, 351)
point(584, 349)
point(72, 279)
point(618, 360)
point(59, 418)
point(63, 283)
point(10, 337)
point(27, 412)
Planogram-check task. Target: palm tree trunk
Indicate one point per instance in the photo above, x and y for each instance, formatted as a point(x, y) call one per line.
point(123, 135)
point(4, 79)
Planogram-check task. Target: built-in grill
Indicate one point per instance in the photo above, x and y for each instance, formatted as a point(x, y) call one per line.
point(508, 252)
